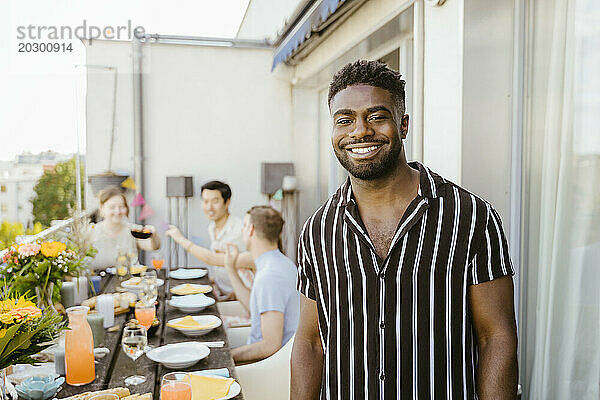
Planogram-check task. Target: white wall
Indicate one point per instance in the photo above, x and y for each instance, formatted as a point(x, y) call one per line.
point(265, 18)
point(442, 101)
point(209, 112)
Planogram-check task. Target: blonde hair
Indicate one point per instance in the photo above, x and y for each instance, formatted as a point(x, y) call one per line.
point(109, 192)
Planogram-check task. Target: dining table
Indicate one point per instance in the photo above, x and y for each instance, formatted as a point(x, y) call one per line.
point(112, 370)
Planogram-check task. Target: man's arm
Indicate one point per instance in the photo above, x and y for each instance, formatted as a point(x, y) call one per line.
point(205, 255)
point(307, 354)
point(494, 321)
point(271, 323)
point(242, 293)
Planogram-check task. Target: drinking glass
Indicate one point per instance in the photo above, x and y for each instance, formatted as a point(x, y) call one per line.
point(176, 386)
point(149, 288)
point(134, 344)
point(157, 260)
point(145, 314)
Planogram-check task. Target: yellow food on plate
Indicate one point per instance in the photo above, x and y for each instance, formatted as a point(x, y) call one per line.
point(209, 387)
point(138, 269)
point(189, 322)
point(190, 288)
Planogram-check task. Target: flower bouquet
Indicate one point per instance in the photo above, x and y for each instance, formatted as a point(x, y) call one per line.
point(40, 267)
point(25, 330)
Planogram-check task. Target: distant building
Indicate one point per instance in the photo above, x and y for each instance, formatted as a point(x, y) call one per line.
point(17, 180)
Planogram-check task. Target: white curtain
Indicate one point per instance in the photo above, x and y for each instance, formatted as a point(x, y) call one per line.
point(563, 211)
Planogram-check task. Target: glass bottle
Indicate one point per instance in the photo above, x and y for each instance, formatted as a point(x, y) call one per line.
point(79, 348)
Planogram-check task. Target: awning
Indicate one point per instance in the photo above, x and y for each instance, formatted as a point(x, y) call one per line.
point(319, 14)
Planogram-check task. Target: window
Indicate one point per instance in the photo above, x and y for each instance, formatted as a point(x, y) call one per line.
point(3, 208)
point(3, 188)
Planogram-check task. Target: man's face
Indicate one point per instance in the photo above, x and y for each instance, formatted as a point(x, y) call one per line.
point(213, 205)
point(367, 131)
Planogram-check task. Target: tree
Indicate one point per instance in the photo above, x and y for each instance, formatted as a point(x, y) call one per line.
point(55, 193)
point(10, 230)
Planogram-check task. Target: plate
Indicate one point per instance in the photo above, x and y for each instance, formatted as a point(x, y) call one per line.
point(133, 284)
point(197, 289)
point(234, 389)
point(192, 302)
point(179, 355)
point(202, 319)
point(188, 273)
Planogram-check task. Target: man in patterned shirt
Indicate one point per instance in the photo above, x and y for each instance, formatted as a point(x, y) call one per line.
point(405, 276)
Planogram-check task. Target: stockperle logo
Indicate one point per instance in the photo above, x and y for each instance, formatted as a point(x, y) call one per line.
point(83, 32)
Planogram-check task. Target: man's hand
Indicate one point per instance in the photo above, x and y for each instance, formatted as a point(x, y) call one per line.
point(231, 255)
point(175, 233)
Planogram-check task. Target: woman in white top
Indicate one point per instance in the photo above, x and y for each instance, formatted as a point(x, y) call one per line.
point(112, 236)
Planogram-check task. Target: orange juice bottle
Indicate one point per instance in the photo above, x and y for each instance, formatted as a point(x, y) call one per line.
point(79, 348)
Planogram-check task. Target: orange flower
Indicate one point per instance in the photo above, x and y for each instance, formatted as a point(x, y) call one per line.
point(51, 249)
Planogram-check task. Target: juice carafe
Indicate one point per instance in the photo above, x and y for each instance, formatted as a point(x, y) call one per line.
point(79, 348)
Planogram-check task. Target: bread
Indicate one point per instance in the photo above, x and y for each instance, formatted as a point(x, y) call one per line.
point(119, 391)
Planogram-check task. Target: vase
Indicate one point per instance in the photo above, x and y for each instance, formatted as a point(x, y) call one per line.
point(4, 394)
point(44, 296)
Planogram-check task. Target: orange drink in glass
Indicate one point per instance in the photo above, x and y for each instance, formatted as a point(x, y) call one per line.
point(176, 386)
point(145, 313)
point(79, 348)
point(158, 263)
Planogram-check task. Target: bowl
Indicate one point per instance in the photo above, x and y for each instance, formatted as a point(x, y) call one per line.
point(188, 273)
point(133, 284)
point(141, 234)
point(39, 388)
point(202, 319)
point(179, 355)
point(192, 303)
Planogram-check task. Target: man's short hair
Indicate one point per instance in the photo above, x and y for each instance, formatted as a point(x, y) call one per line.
point(267, 222)
point(220, 186)
point(372, 73)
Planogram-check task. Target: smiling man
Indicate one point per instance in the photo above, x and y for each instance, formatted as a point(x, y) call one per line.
point(405, 277)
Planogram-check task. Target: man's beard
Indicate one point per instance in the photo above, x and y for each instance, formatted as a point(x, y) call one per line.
point(378, 168)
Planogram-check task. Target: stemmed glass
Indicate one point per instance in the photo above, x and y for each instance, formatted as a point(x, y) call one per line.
point(157, 261)
point(145, 313)
point(134, 345)
point(149, 288)
point(176, 386)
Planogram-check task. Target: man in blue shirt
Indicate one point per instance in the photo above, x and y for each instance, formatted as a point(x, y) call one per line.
point(273, 301)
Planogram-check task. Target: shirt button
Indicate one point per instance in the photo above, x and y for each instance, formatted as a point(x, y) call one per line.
point(382, 376)
point(382, 324)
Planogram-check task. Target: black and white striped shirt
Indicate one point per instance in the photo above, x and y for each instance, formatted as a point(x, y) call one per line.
point(401, 327)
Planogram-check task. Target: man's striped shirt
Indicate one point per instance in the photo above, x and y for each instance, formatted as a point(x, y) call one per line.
point(401, 327)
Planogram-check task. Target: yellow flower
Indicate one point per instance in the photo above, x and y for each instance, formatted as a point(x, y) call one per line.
point(11, 304)
point(3, 332)
point(51, 249)
point(12, 310)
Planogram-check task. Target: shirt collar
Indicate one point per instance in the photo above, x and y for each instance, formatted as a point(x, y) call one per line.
point(261, 260)
point(431, 185)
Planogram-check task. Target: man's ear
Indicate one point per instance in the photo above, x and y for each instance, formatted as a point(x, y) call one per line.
point(404, 126)
point(227, 203)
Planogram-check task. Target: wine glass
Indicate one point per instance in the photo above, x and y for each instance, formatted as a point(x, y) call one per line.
point(134, 344)
point(176, 386)
point(157, 260)
point(145, 313)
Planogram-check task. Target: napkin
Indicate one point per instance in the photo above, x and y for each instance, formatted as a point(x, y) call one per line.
point(209, 387)
point(188, 322)
point(189, 288)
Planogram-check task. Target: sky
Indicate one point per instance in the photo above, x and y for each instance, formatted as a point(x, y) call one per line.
point(41, 93)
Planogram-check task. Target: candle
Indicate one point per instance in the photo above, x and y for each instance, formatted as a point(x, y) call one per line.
point(96, 322)
point(67, 294)
point(81, 289)
point(105, 305)
point(59, 360)
point(95, 288)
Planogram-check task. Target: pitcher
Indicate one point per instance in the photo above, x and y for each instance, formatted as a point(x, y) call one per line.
point(79, 348)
